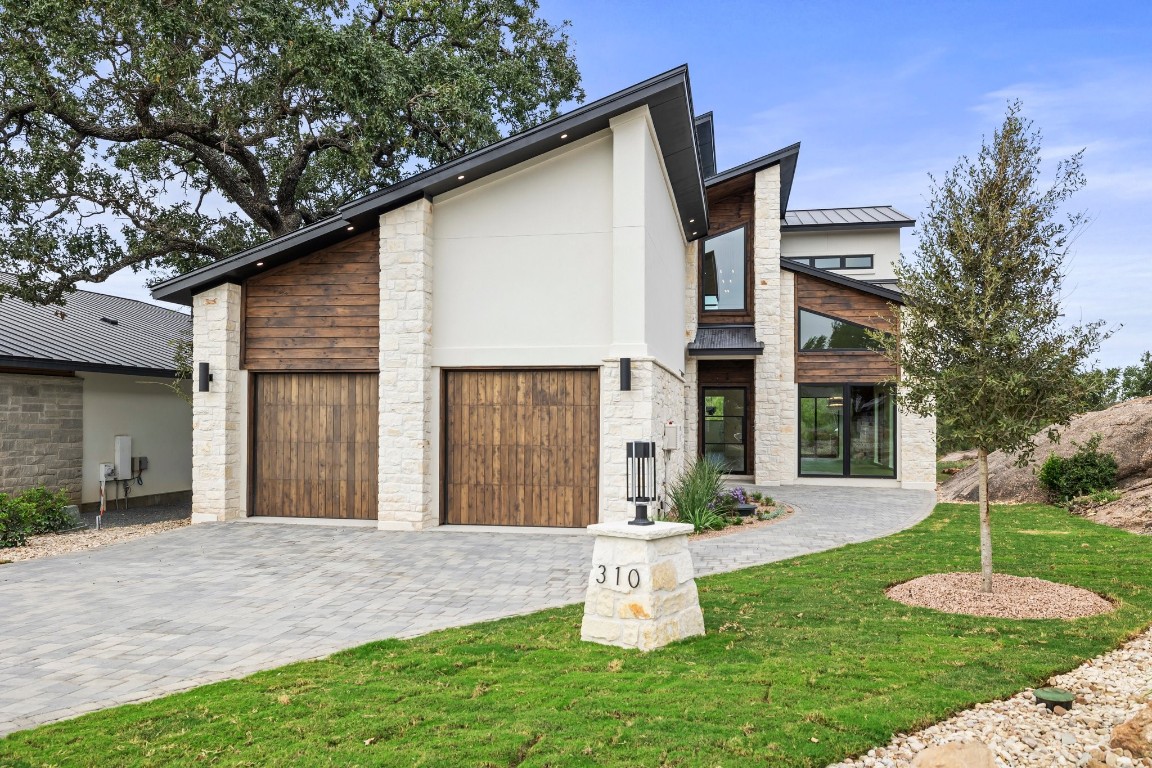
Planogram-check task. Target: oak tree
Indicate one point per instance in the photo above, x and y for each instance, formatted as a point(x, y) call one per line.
point(167, 134)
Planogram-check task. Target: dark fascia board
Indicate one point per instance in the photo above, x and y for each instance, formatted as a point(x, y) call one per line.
point(738, 352)
point(785, 158)
point(36, 363)
point(668, 97)
point(706, 143)
point(847, 282)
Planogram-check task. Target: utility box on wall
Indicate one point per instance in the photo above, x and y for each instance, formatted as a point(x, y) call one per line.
point(123, 457)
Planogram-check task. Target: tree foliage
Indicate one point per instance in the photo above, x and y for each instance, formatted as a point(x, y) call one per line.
point(166, 135)
point(983, 344)
point(1108, 386)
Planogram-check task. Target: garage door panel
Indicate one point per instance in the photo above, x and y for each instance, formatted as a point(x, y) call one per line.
point(521, 447)
point(314, 445)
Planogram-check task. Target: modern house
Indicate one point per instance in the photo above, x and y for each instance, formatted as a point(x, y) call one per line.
point(88, 384)
point(476, 343)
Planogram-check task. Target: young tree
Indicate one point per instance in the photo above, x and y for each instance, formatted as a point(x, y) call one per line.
point(982, 342)
point(167, 135)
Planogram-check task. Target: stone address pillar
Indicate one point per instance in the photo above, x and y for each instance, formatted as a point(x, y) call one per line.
point(641, 589)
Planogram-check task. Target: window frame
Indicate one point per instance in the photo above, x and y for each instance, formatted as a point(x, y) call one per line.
point(846, 390)
point(840, 350)
point(811, 260)
point(725, 315)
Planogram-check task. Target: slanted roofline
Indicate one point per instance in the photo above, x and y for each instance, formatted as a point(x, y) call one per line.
point(848, 282)
point(785, 158)
point(668, 97)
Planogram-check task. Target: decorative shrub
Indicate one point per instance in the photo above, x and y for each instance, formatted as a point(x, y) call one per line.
point(51, 514)
point(1085, 472)
point(16, 520)
point(699, 498)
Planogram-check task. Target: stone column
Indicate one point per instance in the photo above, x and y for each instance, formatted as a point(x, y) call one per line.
point(641, 589)
point(407, 487)
point(219, 416)
point(916, 451)
point(769, 442)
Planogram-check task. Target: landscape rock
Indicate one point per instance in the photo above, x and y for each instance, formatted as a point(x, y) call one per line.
point(970, 754)
point(1135, 735)
point(1127, 434)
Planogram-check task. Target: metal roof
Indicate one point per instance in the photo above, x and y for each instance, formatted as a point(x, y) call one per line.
point(80, 337)
point(866, 217)
point(667, 96)
point(725, 340)
point(848, 282)
point(786, 158)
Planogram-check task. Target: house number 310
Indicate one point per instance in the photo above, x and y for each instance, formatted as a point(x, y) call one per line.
point(633, 576)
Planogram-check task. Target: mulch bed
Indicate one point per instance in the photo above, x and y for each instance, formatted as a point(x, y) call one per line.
point(1012, 597)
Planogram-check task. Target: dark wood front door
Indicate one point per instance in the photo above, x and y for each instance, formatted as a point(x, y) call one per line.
point(314, 445)
point(521, 447)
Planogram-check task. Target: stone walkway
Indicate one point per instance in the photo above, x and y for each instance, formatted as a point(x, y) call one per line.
point(138, 620)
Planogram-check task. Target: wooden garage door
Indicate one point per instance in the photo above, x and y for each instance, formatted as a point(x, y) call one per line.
point(314, 445)
point(521, 447)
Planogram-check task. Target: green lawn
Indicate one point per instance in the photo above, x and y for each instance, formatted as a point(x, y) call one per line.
point(805, 662)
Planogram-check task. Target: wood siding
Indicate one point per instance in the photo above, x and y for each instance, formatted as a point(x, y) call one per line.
point(314, 445)
point(733, 207)
point(318, 313)
point(845, 304)
point(521, 447)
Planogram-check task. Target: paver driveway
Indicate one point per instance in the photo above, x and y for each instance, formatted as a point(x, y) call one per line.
point(144, 618)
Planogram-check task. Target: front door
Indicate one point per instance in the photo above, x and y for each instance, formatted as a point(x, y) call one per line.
point(724, 414)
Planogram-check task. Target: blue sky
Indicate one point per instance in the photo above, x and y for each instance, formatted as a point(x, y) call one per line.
point(883, 93)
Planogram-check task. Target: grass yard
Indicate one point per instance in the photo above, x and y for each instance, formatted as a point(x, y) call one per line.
point(805, 662)
point(943, 476)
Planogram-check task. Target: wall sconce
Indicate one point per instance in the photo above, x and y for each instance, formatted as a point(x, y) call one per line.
point(640, 478)
point(204, 377)
point(625, 374)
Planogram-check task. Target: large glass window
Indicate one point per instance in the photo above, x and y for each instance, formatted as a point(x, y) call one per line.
point(722, 272)
point(820, 332)
point(726, 427)
point(847, 430)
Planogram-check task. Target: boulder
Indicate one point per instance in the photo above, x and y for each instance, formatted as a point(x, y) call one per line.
point(1135, 735)
point(969, 754)
point(1127, 434)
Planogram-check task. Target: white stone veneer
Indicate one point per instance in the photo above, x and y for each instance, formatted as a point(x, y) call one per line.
point(655, 401)
point(407, 487)
point(219, 416)
point(916, 452)
point(768, 383)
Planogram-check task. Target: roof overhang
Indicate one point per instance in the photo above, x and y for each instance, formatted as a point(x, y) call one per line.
point(725, 341)
point(846, 227)
point(848, 282)
point(41, 364)
point(786, 158)
point(669, 100)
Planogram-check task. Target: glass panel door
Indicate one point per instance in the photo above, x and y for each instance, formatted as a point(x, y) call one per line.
point(821, 430)
point(725, 420)
point(873, 435)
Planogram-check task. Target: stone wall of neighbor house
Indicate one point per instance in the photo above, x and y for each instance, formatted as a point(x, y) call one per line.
point(916, 451)
point(407, 489)
point(41, 433)
point(219, 416)
point(769, 382)
point(655, 400)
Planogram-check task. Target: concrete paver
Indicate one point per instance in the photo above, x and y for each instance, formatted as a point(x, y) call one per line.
point(150, 616)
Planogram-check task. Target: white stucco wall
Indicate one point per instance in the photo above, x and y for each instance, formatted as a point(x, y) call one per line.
point(883, 244)
point(159, 422)
point(523, 269)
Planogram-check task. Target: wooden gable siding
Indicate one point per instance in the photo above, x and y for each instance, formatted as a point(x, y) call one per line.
point(318, 313)
point(728, 209)
point(845, 304)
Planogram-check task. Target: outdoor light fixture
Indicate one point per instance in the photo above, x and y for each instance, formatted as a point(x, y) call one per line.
point(460, 177)
point(625, 374)
point(563, 135)
point(204, 377)
point(640, 478)
point(259, 263)
point(350, 227)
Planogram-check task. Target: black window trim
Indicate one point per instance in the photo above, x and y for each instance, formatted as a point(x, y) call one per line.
point(843, 350)
point(810, 261)
point(846, 388)
point(747, 311)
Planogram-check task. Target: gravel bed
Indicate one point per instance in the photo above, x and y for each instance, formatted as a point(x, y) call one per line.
point(1110, 690)
point(1012, 597)
point(116, 527)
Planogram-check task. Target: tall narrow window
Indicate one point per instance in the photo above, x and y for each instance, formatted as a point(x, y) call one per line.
point(722, 273)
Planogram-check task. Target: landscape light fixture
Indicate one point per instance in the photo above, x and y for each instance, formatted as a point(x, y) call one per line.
point(640, 478)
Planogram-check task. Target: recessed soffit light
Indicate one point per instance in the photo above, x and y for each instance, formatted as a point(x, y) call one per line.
point(350, 227)
point(460, 177)
point(259, 263)
point(563, 135)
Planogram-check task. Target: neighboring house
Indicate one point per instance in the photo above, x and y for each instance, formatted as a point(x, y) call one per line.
point(73, 378)
point(450, 348)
